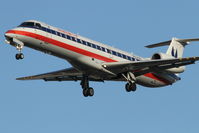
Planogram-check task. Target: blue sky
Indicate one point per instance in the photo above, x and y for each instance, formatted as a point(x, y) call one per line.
point(37, 106)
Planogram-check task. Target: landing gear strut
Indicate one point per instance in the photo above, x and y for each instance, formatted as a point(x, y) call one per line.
point(130, 85)
point(19, 46)
point(87, 91)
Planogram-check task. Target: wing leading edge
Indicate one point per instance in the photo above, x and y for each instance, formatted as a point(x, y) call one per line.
point(70, 74)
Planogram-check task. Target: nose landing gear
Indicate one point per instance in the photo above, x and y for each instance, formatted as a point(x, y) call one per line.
point(19, 46)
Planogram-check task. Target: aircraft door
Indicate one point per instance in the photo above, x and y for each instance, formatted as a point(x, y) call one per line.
point(110, 53)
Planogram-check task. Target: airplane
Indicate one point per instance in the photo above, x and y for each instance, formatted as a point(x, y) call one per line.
point(95, 61)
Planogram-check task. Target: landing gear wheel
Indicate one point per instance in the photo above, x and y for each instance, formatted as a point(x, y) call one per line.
point(91, 91)
point(133, 87)
point(130, 87)
point(127, 87)
point(88, 92)
point(19, 56)
point(85, 92)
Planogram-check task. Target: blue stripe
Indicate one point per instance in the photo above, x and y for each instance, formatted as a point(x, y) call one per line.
point(83, 42)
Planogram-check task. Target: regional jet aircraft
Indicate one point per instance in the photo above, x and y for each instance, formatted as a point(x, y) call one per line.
point(94, 61)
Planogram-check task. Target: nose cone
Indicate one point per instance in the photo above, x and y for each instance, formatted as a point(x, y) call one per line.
point(8, 34)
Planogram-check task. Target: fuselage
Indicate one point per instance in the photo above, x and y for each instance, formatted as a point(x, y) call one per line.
point(84, 54)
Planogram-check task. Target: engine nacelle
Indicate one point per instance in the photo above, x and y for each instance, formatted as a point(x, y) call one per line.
point(161, 56)
point(158, 56)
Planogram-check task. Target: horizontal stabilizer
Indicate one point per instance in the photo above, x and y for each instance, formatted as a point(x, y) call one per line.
point(185, 41)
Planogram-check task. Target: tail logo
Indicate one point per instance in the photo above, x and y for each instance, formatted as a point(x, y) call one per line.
point(174, 52)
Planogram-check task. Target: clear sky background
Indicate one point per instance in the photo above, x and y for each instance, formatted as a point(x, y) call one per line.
point(49, 107)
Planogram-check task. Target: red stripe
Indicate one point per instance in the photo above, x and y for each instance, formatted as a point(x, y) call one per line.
point(62, 45)
point(152, 76)
point(77, 50)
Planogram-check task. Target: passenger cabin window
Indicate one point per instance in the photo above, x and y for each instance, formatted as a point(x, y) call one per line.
point(48, 30)
point(114, 53)
point(53, 32)
point(89, 44)
point(63, 35)
point(93, 45)
point(119, 54)
point(58, 34)
point(98, 47)
point(83, 42)
point(108, 51)
point(124, 56)
point(68, 37)
point(103, 49)
point(79, 41)
point(129, 58)
point(73, 38)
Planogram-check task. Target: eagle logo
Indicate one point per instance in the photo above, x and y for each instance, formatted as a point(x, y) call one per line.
point(174, 52)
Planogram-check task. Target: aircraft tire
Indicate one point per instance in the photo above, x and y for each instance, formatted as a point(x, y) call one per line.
point(133, 87)
point(21, 55)
point(85, 92)
point(130, 87)
point(17, 56)
point(90, 91)
point(127, 87)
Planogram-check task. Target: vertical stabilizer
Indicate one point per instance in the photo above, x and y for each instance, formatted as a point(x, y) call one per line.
point(176, 48)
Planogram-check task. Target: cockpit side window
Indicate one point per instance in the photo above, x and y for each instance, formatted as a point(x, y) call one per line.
point(38, 25)
point(27, 24)
point(30, 24)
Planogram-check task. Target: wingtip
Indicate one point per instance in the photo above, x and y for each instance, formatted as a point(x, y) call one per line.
point(147, 46)
point(24, 78)
point(19, 78)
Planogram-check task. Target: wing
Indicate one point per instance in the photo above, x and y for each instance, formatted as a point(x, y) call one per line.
point(70, 74)
point(142, 67)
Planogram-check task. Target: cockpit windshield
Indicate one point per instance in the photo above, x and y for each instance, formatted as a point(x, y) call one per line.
point(30, 24)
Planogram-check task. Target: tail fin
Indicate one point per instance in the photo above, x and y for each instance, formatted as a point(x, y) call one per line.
point(176, 46)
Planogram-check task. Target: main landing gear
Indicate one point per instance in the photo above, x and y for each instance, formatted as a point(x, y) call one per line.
point(87, 91)
point(130, 85)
